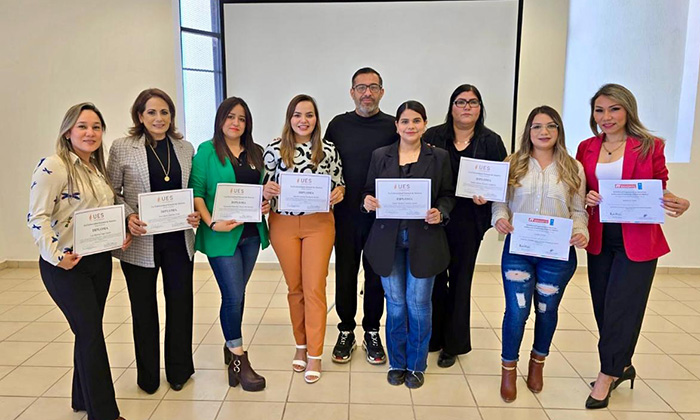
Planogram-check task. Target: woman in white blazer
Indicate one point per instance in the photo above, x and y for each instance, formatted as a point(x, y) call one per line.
point(155, 157)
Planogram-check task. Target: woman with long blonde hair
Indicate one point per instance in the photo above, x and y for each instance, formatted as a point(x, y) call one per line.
point(75, 179)
point(303, 241)
point(622, 257)
point(543, 180)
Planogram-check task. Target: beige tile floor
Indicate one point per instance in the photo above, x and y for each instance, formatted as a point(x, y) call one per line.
point(36, 361)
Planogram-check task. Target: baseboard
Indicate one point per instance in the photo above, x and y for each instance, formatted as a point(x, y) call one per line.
point(271, 265)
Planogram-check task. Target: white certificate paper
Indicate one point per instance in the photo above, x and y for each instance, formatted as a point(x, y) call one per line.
point(482, 177)
point(304, 193)
point(166, 211)
point(541, 236)
point(239, 202)
point(402, 198)
point(98, 230)
point(631, 201)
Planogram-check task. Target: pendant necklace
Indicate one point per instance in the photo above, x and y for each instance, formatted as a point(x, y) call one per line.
point(167, 173)
point(610, 152)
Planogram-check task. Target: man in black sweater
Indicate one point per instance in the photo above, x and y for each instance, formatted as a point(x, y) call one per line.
point(356, 134)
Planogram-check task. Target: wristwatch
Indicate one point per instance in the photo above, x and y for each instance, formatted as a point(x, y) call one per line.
point(211, 225)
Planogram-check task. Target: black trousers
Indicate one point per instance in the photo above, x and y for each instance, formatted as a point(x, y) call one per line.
point(351, 231)
point(452, 291)
point(620, 290)
point(81, 294)
point(171, 258)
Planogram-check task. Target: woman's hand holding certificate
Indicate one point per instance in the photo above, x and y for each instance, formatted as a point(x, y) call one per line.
point(98, 230)
point(165, 211)
point(402, 198)
point(484, 179)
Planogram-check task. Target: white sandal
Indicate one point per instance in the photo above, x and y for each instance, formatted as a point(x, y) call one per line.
point(297, 362)
point(312, 376)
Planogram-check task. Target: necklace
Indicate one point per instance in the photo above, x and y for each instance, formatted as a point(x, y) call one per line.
point(610, 152)
point(167, 173)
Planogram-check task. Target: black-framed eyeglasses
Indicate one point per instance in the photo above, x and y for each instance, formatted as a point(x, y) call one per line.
point(462, 103)
point(550, 127)
point(374, 88)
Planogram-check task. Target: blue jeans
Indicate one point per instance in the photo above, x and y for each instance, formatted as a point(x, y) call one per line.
point(232, 274)
point(409, 312)
point(522, 277)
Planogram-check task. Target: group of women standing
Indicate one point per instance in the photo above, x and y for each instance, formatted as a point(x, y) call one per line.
point(426, 266)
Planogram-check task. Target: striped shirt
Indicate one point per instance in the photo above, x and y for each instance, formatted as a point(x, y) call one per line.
point(541, 192)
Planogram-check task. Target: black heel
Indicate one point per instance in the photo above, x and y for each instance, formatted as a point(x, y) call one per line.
point(632, 383)
point(628, 374)
point(228, 356)
point(593, 404)
point(233, 378)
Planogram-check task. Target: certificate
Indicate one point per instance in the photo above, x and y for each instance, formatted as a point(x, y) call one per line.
point(541, 236)
point(98, 230)
point(486, 178)
point(631, 201)
point(239, 202)
point(166, 211)
point(402, 198)
point(304, 192)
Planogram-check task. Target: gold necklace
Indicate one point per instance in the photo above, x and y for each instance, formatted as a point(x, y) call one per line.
point(167, 173)
point(610, 152)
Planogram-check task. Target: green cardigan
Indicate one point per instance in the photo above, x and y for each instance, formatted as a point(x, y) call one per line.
point(207, 172)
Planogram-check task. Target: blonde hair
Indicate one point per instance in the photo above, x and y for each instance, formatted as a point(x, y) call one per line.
point(64, 147)
point(288, 144)
point(634, 126)
point(566, 165)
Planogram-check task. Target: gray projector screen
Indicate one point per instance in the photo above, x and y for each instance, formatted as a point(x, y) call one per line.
point(422, 49)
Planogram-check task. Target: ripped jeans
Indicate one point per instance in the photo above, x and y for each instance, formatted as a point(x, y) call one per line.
point(524, 279)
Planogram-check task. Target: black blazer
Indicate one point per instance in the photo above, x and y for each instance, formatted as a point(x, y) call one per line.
point(487, 146)
point(428, 250)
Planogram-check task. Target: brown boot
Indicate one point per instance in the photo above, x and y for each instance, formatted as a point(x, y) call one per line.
point(509, 375)
point(240, 371)
point(534, 373)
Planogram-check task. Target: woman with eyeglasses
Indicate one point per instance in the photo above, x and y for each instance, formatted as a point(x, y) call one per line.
point(622, 257)
point(463, 135)
point(543, 180)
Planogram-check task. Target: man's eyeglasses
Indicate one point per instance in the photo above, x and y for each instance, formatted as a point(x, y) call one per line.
point(374, 88)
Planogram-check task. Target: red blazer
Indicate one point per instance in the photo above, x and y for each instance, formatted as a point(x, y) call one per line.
point(643, 242)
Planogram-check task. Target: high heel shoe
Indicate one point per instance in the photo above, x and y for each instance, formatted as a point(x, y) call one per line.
point(299, 365)
point(593, 404)
point(509, 376)
point(228, 356)
point(241, 372)
point(628, 374)
point(534, 373)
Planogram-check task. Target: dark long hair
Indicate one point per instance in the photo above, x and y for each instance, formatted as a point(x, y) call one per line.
point(413, 106)
point(461, 89)
point(253, 151)
point(139, 107)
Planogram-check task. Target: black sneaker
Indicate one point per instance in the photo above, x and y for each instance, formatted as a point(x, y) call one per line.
point(396, 376)
point(342, 352)
point(414, 379)
point(372, 344)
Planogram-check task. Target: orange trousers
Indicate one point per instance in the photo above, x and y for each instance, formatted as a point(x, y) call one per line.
point(303, 245)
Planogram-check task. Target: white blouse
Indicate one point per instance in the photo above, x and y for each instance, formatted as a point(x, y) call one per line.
point(610, 170)
point(541, 192)
point(51, 206)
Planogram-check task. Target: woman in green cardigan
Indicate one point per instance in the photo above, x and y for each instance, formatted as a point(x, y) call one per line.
point(232, 247)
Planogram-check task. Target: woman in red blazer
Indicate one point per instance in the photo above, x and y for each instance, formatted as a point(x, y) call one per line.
point(622, 257)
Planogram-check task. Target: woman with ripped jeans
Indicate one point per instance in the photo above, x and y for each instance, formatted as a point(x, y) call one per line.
point(543, 180)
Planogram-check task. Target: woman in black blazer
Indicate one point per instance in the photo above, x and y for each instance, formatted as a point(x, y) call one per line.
point(463, 135)
point(407, 254)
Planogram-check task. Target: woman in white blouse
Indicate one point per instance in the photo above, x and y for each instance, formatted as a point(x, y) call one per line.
point(75, 179)
point(543, 180)
point(303, 241)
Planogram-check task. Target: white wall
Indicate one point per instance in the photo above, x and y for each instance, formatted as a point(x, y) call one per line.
point(59, 53)
point(56, 54)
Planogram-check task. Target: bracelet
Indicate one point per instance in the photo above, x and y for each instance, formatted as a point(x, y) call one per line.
point(211, 225)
